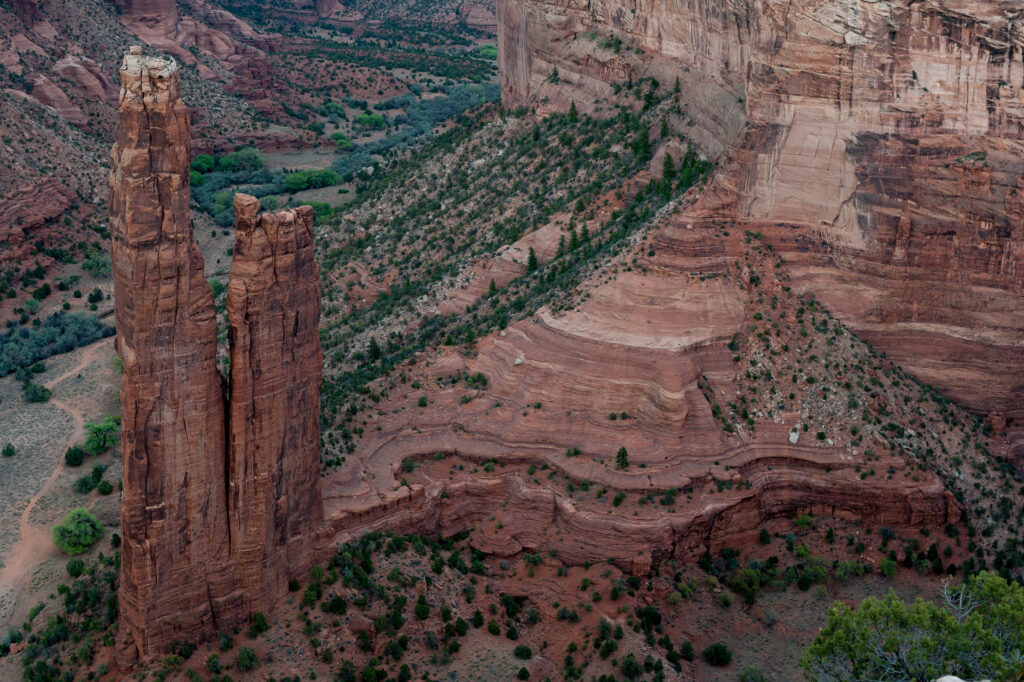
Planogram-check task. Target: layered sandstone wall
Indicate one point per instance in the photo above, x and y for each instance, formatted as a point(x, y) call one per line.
point(213, 530)
point(273, 454)
point(878, 145)
point(176, 581)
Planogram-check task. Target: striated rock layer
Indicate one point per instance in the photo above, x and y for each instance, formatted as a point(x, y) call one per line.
point(879, 146)
point(274, 462)
point(31, 208)
point(637, 365)
point(176, 581)
point(213, 530)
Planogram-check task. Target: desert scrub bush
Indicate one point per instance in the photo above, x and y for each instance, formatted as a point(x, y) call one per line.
point(717, 654)
point(247, 659)
point(59, 333)
point(78, 531)
point(74, 456)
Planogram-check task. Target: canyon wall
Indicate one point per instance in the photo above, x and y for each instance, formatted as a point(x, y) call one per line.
point(879, 146)
point(176, 581)
point(212, 529)
point(273, 462)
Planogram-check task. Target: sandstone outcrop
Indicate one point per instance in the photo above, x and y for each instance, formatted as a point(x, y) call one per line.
point(28, 10)
point(877, 145)
point(176, 579)
point(212, 530)
point(32, 207)
point(274, 463)
point(638, 365)
point(46, 92)
point(87, 79)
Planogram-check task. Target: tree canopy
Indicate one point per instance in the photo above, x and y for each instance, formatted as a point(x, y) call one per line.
point(975, 632)
point(77, 532)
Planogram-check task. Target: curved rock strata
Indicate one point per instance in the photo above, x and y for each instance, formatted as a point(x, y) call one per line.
point(879, 146)
point(636, 365)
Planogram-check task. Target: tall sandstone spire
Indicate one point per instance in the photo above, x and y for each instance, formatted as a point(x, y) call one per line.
point(273, 451)
point(176, 578)
point(221, 504)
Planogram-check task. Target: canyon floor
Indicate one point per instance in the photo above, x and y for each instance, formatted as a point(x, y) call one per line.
point(598, 391)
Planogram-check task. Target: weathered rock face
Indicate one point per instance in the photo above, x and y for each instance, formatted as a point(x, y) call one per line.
point(176, 578)
point(31, 208)
point(879, 147)
point(47, 93)
point(274, 460)
point(212, 531)
point(28, 10)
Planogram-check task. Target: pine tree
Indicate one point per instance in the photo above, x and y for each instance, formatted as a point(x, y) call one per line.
point(622, 459)
point(561, 245)
point(492, 289)
point(531, 261)
point(668, 171)
point(642, 144)
point(574, 240)
point(573, 116)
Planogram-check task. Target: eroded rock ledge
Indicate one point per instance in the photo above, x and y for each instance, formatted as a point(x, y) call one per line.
point(879, 146)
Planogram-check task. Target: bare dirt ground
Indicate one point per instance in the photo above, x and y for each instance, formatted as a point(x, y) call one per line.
point(35, 485)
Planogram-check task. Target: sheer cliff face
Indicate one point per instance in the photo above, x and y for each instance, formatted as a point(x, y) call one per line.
point(213, 529)
point(878, 145)
point(175, 571)
point(274, 461)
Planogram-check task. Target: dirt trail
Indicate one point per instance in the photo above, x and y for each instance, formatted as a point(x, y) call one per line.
point(34, 546)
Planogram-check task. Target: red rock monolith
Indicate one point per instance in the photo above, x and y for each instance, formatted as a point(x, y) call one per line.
point(176, 576)
point(273, 451)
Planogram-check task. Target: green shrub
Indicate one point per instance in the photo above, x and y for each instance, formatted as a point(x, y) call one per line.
point(751, 674)
point(34, 393)
point(8, 450)
point(422, 608)
point(631, 667)
point(60, 333)
point(104, 487)
point(247, 659)
point(85, 485)
point(102, 436)
point(336, 604)
point(310, 179)
point(523, 674)
point(75, 567)
point(258, 624)
point(203, 163)
point(888, 638)
point(74, 456)
point(523, 652)
point(717, 654)
point(78, 531)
